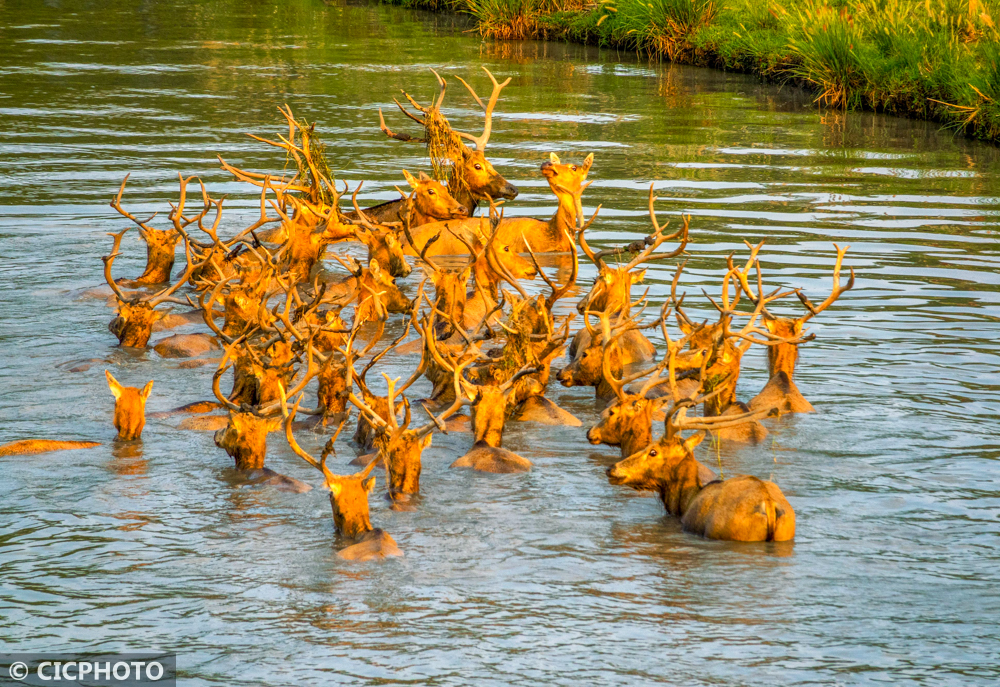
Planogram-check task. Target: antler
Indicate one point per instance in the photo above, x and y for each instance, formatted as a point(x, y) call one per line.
point(835, 293)
point(481, 140)
point(110, 259)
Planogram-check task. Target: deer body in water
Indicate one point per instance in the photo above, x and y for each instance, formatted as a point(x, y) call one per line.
point(348, 500)
point(472, 179)
point(130, 408)
point(742, 508)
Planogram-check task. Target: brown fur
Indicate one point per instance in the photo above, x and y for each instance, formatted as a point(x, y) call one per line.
point(134, 324)
point(185, 345)
point(374, 544)
point(780, 392)
point(245, 439)
point(28, 447)
point(130, 408)
point(627, 423)
point(740, 508)
point(565, 181)
point(160, 248)
point(485, 458)
point(385, 249)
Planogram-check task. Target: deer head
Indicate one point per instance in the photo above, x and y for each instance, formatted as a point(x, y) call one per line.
point(667, 467)
point(130, 408)
point(133, 324)
point(430, 201)
point(472, 178)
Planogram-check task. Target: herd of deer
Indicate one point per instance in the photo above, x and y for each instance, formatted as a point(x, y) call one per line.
point(483, 341)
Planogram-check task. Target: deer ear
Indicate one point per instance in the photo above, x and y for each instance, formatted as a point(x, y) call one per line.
point(770, 324)
point(335, 488)
point(427, 440)
point(409, 179)
point(554, 159)
point(374, 268)
point(369, 484)
point(693, 441)
point(146, 391)
point(685, 327)
point(638, 276)
point(587, 163)
point(116, 388)
point(424, 177)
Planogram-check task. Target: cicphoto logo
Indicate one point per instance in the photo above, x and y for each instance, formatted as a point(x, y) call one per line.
point(92, 670)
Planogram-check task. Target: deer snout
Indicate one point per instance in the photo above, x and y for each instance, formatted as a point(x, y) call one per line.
point(615, 475)
point(565, 376)
point(594, 436)
point(508, 191)
point(460, 211)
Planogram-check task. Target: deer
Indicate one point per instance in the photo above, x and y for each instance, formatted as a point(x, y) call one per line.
point(161, 245)
point(471, 177)
point(742, 508)
point(402, 445)
point(130, 408)
point(348, 497)
point(428, 201)
point(491, 404)
point(136, 314)
point(612, 289)
point(784, 334)
point(373, 291)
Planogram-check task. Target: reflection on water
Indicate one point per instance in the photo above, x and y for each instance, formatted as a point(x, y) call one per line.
point(552, 577)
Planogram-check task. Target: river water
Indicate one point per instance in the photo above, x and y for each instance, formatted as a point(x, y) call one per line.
point(551, 577)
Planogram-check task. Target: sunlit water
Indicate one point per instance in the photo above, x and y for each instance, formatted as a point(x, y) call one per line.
point(553, 577)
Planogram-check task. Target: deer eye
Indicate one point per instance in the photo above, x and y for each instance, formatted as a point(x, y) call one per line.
point(478, 166)
point(653, 453)
point(573, 167)
point(506, 249)
point(430, 192)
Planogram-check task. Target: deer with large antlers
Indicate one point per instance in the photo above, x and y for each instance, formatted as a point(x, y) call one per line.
point(742, 508)
point(382, 243)
point(491, 403)
point(612, 289)
point(348, 497)
point(784, 334)
point(137, 313)
point(161, 244)
point(471, 177)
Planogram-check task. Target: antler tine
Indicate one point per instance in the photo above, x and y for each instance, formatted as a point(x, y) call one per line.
point(406, 138)
point(648, 254)
point(110, 259)
point(442, 86)
point(526, 369)
point(361, 215)
point(481, 140)
point(835, 292)
point(607, 348)
point(681, 422)
point(215, 382)
point(598, 260)
point(437, 421)
point(208, 312)
point(652, 210)
point(116, 203)
point(289, 419)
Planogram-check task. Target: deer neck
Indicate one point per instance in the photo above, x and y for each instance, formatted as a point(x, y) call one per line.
point(782, 358)
point(565, 218)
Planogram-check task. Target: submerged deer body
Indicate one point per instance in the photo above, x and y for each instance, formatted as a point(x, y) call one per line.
point(130, 408)
point(741, 508)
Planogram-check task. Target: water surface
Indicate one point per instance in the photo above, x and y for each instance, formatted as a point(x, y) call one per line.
point(554, 577)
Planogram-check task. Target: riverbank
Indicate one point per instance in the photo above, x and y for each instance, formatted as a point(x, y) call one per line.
point(936, 59)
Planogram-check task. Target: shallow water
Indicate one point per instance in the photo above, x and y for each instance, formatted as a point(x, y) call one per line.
point(553, 577)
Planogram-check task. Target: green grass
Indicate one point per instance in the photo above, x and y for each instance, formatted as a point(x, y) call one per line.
point(931, 59)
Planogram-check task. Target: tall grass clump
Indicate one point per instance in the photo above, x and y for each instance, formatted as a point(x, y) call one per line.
point(662, 27)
